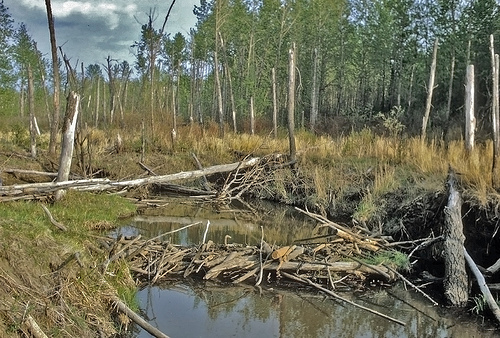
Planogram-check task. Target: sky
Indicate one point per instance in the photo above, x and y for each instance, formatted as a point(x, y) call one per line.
point(91, 30)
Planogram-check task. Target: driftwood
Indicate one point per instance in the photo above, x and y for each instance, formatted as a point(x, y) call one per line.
point(492, 304)
point(30, 191)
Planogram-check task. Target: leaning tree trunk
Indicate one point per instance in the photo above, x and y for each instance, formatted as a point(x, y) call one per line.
point(430, 90)
point(68, 139)
point(54, 127)
point(470, 120)
point(455, 279)
point(291, 103)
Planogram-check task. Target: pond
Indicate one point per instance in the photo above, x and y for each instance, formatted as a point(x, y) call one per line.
point(205, 309)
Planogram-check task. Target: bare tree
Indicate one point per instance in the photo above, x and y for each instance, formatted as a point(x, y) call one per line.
point(54, 127)
point(291, 103)
point(470, 120)
point(495, 115)
point(31, 98)
point(430, 89)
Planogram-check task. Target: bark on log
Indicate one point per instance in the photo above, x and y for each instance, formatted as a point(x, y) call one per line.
point(455, 282)
point(39, 189)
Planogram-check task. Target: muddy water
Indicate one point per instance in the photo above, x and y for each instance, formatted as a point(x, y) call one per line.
point(209, 310)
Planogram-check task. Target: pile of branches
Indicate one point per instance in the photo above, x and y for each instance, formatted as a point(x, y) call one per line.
point(340, 258)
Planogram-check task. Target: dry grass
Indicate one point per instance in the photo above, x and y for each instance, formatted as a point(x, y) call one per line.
point(360, 160)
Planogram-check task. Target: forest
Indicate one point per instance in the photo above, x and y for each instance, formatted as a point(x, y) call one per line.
point(358, 62)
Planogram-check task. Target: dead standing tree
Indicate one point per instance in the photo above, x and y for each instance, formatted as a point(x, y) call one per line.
point(31, 98)
point(470, 120)
point(495, 116)
point(68, 138)
point(291, 104)
point(430, 90)
point(57, 81)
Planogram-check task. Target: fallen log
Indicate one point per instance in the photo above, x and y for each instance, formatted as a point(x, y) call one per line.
point(138, 319)
point(492, 304)
point(334, 295)
point(27, 191)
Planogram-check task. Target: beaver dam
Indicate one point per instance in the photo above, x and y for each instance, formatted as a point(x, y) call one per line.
point(336, 259)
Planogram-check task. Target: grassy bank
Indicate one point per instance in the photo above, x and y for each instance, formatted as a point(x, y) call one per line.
point(41, 276)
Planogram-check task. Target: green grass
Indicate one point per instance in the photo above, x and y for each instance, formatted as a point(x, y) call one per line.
point(32, 251)
point(392, 258)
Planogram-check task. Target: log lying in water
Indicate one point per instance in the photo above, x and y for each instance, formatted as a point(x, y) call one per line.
point(33, 190)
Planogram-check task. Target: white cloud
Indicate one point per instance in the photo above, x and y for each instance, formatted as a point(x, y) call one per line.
point(105, 10)
point(90, 30)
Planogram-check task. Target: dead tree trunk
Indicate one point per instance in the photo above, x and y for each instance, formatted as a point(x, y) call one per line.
point(470, 120)
point(430, 89)
point(450, 94)
point(291, 103)
point(495, 116)
point(314, 93)
point(112, 89)
point(455, 279)
point(275, 106)
point(54, 127)
point(31, 98)
point(252, 117)
point(216, 70)
point(68, 139)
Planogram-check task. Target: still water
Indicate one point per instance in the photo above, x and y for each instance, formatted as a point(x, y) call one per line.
point(203, 309)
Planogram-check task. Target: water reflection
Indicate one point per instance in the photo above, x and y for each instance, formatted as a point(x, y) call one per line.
point(282, 225)
point(184, 310)
point(203, 309)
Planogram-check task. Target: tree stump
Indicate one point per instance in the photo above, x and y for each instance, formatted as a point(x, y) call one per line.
point(455, 282)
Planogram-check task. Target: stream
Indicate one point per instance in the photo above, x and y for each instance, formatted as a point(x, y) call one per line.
point(205, 309)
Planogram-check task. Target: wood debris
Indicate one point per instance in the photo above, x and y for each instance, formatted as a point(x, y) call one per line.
point(152, 260)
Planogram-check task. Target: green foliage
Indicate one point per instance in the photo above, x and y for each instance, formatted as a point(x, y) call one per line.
point(392, 258)
point(392, 120)
point(479, 305)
